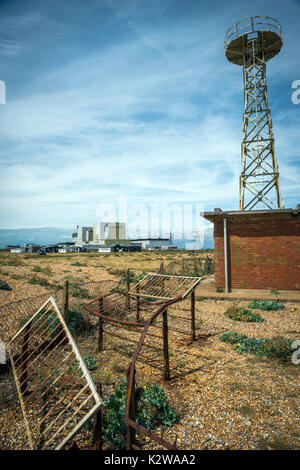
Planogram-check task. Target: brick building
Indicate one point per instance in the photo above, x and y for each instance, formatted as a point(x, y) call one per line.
point(257, 249)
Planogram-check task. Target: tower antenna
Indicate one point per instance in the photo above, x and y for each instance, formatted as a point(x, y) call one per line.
point(251, 43)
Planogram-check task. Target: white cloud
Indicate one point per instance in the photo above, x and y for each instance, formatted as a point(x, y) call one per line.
point(155, 117)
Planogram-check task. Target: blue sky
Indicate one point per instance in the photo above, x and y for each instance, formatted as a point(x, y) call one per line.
point(132, 98)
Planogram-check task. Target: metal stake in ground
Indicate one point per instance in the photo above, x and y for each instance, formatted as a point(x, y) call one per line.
point(128, 289)
point(166, 346)
point(131, 432)
point(66, 302)
point(100, 326)
point(193, 328)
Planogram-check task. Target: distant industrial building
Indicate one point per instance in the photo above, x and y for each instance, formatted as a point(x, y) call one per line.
point(108, 231)
point(84, 235)
point(107, 237)
point(26, 248)
point(153, 243)
point(123, 248)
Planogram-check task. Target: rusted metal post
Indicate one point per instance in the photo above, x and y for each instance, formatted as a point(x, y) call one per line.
point(137, 304)
point(195, 267)
point(200, 267)
point(193, 328)
point(182, 266)
point(128, 289)
point(166, 346)
point(24, 354)
point(66, 302)
point(97, 431)
point(131, 432)
point(100, 327)
point(162, 271)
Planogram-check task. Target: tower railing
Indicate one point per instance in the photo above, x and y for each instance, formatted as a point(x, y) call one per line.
point(252, 25)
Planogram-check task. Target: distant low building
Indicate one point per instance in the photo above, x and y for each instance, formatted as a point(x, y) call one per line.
point(153, 243)
point(27, 248)
point(17, 249)
point(123, 248)
point(31, 247)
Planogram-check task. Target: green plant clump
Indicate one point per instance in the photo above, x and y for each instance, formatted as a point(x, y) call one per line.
point(90, 362)
point(153, 409)
point(76, 321)
point(38, 280)
point(50, 323)
point(37, 269)
point(242, 314)
point(276, 347)
point(4, 285)
point(134, 279)
point(117, 289)
point(77, 291)
point(13, 261)
point(265, 305)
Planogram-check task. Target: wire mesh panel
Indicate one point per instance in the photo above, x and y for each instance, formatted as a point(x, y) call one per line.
point(56, 391)
point(164, 286)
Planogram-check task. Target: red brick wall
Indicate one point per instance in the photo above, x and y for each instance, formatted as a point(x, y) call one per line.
point(263, 252)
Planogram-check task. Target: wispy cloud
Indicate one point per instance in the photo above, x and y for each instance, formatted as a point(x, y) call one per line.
point(128, 100)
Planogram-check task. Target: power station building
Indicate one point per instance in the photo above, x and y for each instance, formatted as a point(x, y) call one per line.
point(104, 232)
point(111, 236)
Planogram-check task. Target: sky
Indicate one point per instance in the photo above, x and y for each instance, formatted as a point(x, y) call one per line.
point(132, 99)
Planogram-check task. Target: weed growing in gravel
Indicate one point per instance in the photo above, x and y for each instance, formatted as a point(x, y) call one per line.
point(265, 305)
point(13, 261)
point(4, 285)
point(77, 291)
point(133, 279)
point(153, 409)
point(39, 269)
point(38, 280)
point(77, 323)
point(90, 362)
point(242, 314)
point(277, 347)
point(17, 276)
point(115, 271)
point(4, 273)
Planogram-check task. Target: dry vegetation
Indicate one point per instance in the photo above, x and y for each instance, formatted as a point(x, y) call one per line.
point(224, 399)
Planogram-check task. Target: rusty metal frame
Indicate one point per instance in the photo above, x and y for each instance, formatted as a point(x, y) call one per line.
point(109, 308)
point(153, 285)
point(56, 392)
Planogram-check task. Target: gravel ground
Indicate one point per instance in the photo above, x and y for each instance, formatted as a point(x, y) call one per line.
point(225, 400)
point(59, 272)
